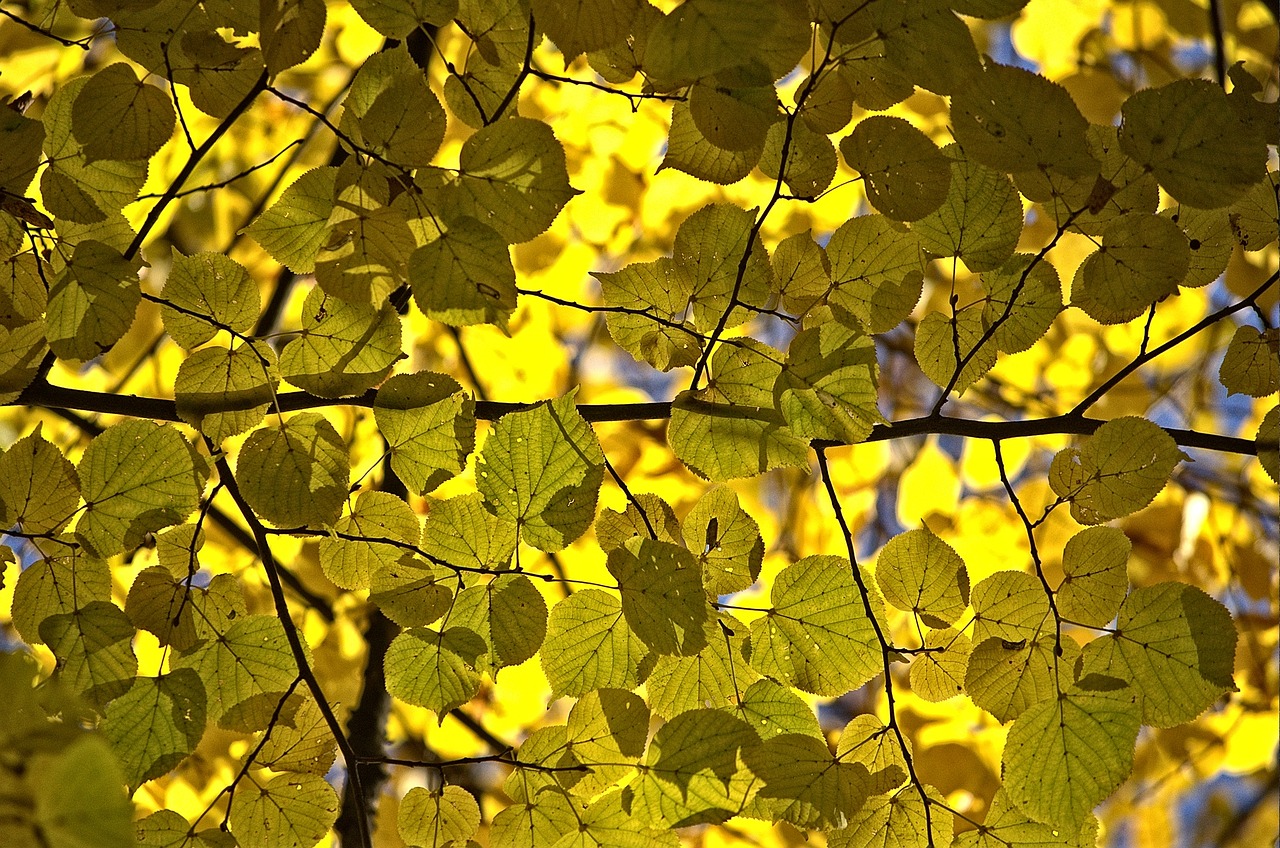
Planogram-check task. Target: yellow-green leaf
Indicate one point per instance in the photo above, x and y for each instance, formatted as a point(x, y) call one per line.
point(1011, 605)
point(288, 809)
point(351, 555)
point(1117, 471)
point(662, 595)
point(1006, 678)
point(294, 228)
point(943, 342)
point(223, 392)
point(430, 669)
point(1024, 296)
point(290, 31)
point(590, 646)
point(981, 219)
point(92, 302)
point(205, 293)
point(1142, 259)
point(156, 724)
point(938, 673)
point(39, 489)
point(429, 423)
point(920, 573)
point(246, 671)
point(391, 111)
point(827, 389)
point(464, 276)
point(116, 116)
point(434, 819)
point(726, 540)
point(877, 270)
point(344, 348)
point(295, 472)
point(904, 174)
point(1252, 363)
point(1095, 575)
point(94, 648)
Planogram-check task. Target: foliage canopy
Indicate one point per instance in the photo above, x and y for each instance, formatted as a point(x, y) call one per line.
point(596, 423)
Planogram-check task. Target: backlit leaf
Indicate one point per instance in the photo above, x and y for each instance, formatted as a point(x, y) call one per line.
point(810, 163)
point(428, 669)
point(981, 219)
point(1116, 471)
point(876, 271)
point(508, 614)
point(1006, 678)
point(645, 515)
point(115, 116)
point(938, 674)
point(94, 647)
point(662, 595)
point(57, 585)
point(582, 25)
point(701, 37)
point(39, 489)
point(351, 555)
point(288, 810)
point(438, 818)
point(771, 710)
point(827, 389)
point(1025, 296)
point(223, 392)
point(156, 724)
point(205, 293)
point(397, 18)
point(896, 820)
point(465, 276)
point(804, 784)
point(716, 676)
point(429, 424)
point(726, 540)
point(1142, 259)
point(709, 247)
point(246, 671)
point(461, 532)
point(1007, 825)
point(943, 342)
point(391, 111)
point(1252, 363)
point(659, 289)
point(688, 150)
point(1011, 605)
point(1095, 575)
point(291, 31)
point(904, 174)
point(590, 646)
point(295, 472)
point(920, 573)
point(293, 229)
point(92, 303)
point(344, 348)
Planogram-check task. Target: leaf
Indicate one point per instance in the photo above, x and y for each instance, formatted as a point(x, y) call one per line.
point(1007, 825)
point(542, 468)
point(464, 276)
point(39, 489)
point(583, 25)
point(21, 352)
point(428, 669)
point(1010, 605)
point(296, 472)
point(1116, 471)
point(156, 724)
point(391, 111)
point(78, 798)
point(136, 477)
point(690, 151)
point(438, 818)
point(607, 731)
point(662, 595)
point(117, 117)
point(920, 573)
point(896, 820)
point(802, 271)
point(877, 271)
point(726, 541)
point(23, 297)
point(817, 636)
point(410, 591)
point(363, 255)
point(1211, 239)
point(94, 647)
point(1252, 363)
point(643, 511)
point(943, 342)
point(461, 532)
point(163, 606)
point(903, 173)
point(659, 289)
point(1266, 440)
point(1190, 137)
point(1142, 259)
point(804, 784)
point(605, 823)
point(735, 108)
point(429, 424)
point(590, 646)
point(291, 32)
point(508, 614)
point(701, 37)
point(92, 302)
point(224, 392)
point(1024, 297)
point(827, 389)
point(709, 249)
point(691, 773)
point(22, 139)
point(773, 710)
point(1006, 678)
point(1011, 119)
point(713, 677)
point(1175, 645)
point(205, 293)
point(300, 740)
point(351, 555)
point(731, 429)
point(1064, 755)
point(246, 671)
point(534, 823)
point(1255, 218)
point(810, 163)
point(288, 810)
point(866, 740)
point(57, 585)
point(294, 228)
point(938, 674)
point(344, 348)
point(1095, 575)
point(981, 219)
point(397, 18)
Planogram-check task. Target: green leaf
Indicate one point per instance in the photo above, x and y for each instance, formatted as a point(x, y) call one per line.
point(1024, 297)
point(1255, 217)
point(709, 248)
point(877, 271)
point(866, 740)
point(1095, 575)
point(461, 532)
point(731, 428)
point(39, 489)
point(300, 740)
point(827, 389)
point(903, 173)
point(290, 32)
point(294, 228)
point(817, 636)
point(429, 423)
point(662, 595)
point(804, 784)
point(692, 773)
point(295, 472)
point(366, 244)
point(713, 677)
point(541, 468)
point(1142, 259)
point(427, 668)
point(412, 592)
point(810, 163)
point(57, 585)
point(94, 647)
point(659, 289)
point(1011, 605)
point(1116, 471)
point(246, 671)
point(534, 823)
point(391, 111)
point(161, 605)
point(136, 477)
point(607, 731)
point(897, 820)
point(92, 302)
point(701, 37)
point(735, 108)
point(943, 342)
point(1175, 645)
point(344, 348)
point(1006, 678)
point(465, 276)
point(205, 293)
point(397, 18)
point(1252, 363)
point(688, 150)
point(22, 139)
point(1190, 137)
point(442, 817)
point(1267, 441)
point(772, 710)
point(1212, 240)
point(802, 271)
point(643, 511)
point(545, 746)
point(509, 614)
point(590, 646)
point(21, 352)
point(726, 540)
point(583, 25)
point(605, 823)
point(156, 724)
point(288, 809)
point(1006, 825)
point(23, 297)
point(938, 674)
point(223, 392)
point(981, 219)
point(920, 573)
point(1065, 754)
point(79, 798)
point(351, 555)
point(1011, 119)
point(115, 116)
